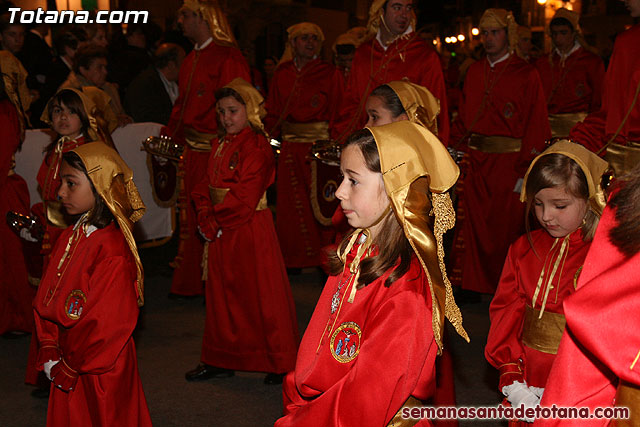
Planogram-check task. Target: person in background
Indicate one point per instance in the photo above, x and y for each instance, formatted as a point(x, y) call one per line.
point(151, 95)
point(571, 75)
point(525, 47)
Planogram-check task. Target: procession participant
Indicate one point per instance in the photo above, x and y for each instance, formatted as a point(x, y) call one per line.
point(214, 62)
point(502, 126)
point(251, 322)
point(16, 294)
point(88, 301)
point(344, 48)
point(303, 96)
point(562, 189)
point(615, 128)
point(571, 75)
point(525, 47)
point(602, 315)
point(392, 51)
point(379, 321)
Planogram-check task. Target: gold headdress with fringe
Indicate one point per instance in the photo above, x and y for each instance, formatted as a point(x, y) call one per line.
point(297, 30)
point(419, 103)
point(417, 171)
point(113, 181)
point(376, 18)
point(211, 12)
point(14, 77)
point(253, 101)
point(501, 18)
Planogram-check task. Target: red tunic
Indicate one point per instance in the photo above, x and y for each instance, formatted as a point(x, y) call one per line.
point(490, 212)
point(600, 344)
point(515, 291)
point(620, 83)
point(576, 85)
point(300, 96)
point(202, 73)
point(86, 310)
point(407, 57)
point(251, 322)
point(358, 366)
point(16, 294)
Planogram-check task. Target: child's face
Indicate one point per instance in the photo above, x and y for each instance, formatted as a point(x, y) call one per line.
point(232, 114)
point(75, 191)
point(558, 211)
point(65, 122)
point(379, 114)
point(361, 193)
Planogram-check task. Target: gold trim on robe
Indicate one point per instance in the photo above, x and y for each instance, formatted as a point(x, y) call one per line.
point(305, 132)
point(628, 395)
point(623, 158)
point(399, 421)
point(561, 124)
point(494, 144)
point(198, 141)
point(217, 196)
point(542, 334)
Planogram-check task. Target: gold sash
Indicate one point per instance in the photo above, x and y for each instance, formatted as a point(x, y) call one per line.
point(494, 144)
point(198, 141)
point(561, 124)
point(305, 132)
point(628, 395)
point(623, 158)
point(398, 421)
point(217, 196)
point(542, 334)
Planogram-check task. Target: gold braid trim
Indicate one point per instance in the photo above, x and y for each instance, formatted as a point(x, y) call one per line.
point(445, 219)
point(137, 205)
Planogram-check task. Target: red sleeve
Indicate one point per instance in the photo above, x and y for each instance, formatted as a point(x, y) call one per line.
point(504, 347)
point(239, 204)
point(398, 347)
point(105, 326)
point(274, 103)
point(595, 75)
point(537, 129)
point(10, 137)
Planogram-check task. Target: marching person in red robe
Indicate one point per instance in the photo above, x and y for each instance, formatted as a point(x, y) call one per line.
point(502, 126)
point(16, 294)
point(597, 362)
point(571, 75)
point(562, 188)
point(617, 123)
point(393, 51)
point(251, 322)
point(370, 347)
point(303, 96)
point(87, 303)
point(214, 62)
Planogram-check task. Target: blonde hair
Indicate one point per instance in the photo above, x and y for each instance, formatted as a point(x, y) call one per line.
point(558, 170)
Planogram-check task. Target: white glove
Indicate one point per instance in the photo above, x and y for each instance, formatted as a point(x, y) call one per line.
point(537, 391)
point(518, 187)
point(24, 233)
point(47, 367)
point(519, 394)
point(203, 235)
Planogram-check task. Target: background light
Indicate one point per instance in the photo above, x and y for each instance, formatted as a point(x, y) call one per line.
point(475, 31)
point(460, 37)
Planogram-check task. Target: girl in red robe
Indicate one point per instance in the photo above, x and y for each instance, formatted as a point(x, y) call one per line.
point(562, 187)
point(87, 304)
point(370, 348)
point(251, 322)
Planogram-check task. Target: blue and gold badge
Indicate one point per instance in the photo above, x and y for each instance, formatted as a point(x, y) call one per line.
point(508, 110)
point(233, 162)
point(345, 342)
point(74, 304)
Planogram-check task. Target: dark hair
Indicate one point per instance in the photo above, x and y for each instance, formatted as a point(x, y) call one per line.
point(5, 22)
point(225, 92)
point(68, 38)
point(394, 250)
point(390, 98)
point(86, 55)
point(561, 21)
point(72, 101)
point(100, 216)
point(554, 170)
point(166, 53)
point(626, 235)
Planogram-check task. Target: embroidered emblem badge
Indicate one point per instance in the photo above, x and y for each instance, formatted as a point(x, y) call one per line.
point(234, 161)
point(329, 190)
point(508, 110)
point(345, 342)
point(315, 101)
point(580, 90)
point(74, 304)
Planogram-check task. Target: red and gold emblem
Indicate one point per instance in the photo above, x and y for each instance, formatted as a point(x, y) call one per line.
point(74, 304)
point(508, 110)
point(345, 342)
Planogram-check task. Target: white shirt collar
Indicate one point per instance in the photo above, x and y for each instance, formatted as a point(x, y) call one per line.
point(379, 38)
point(88, 229)
point(502, 58)
point(67, 63)
point(205, 44)
point(575, 47)
point(171, 87)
